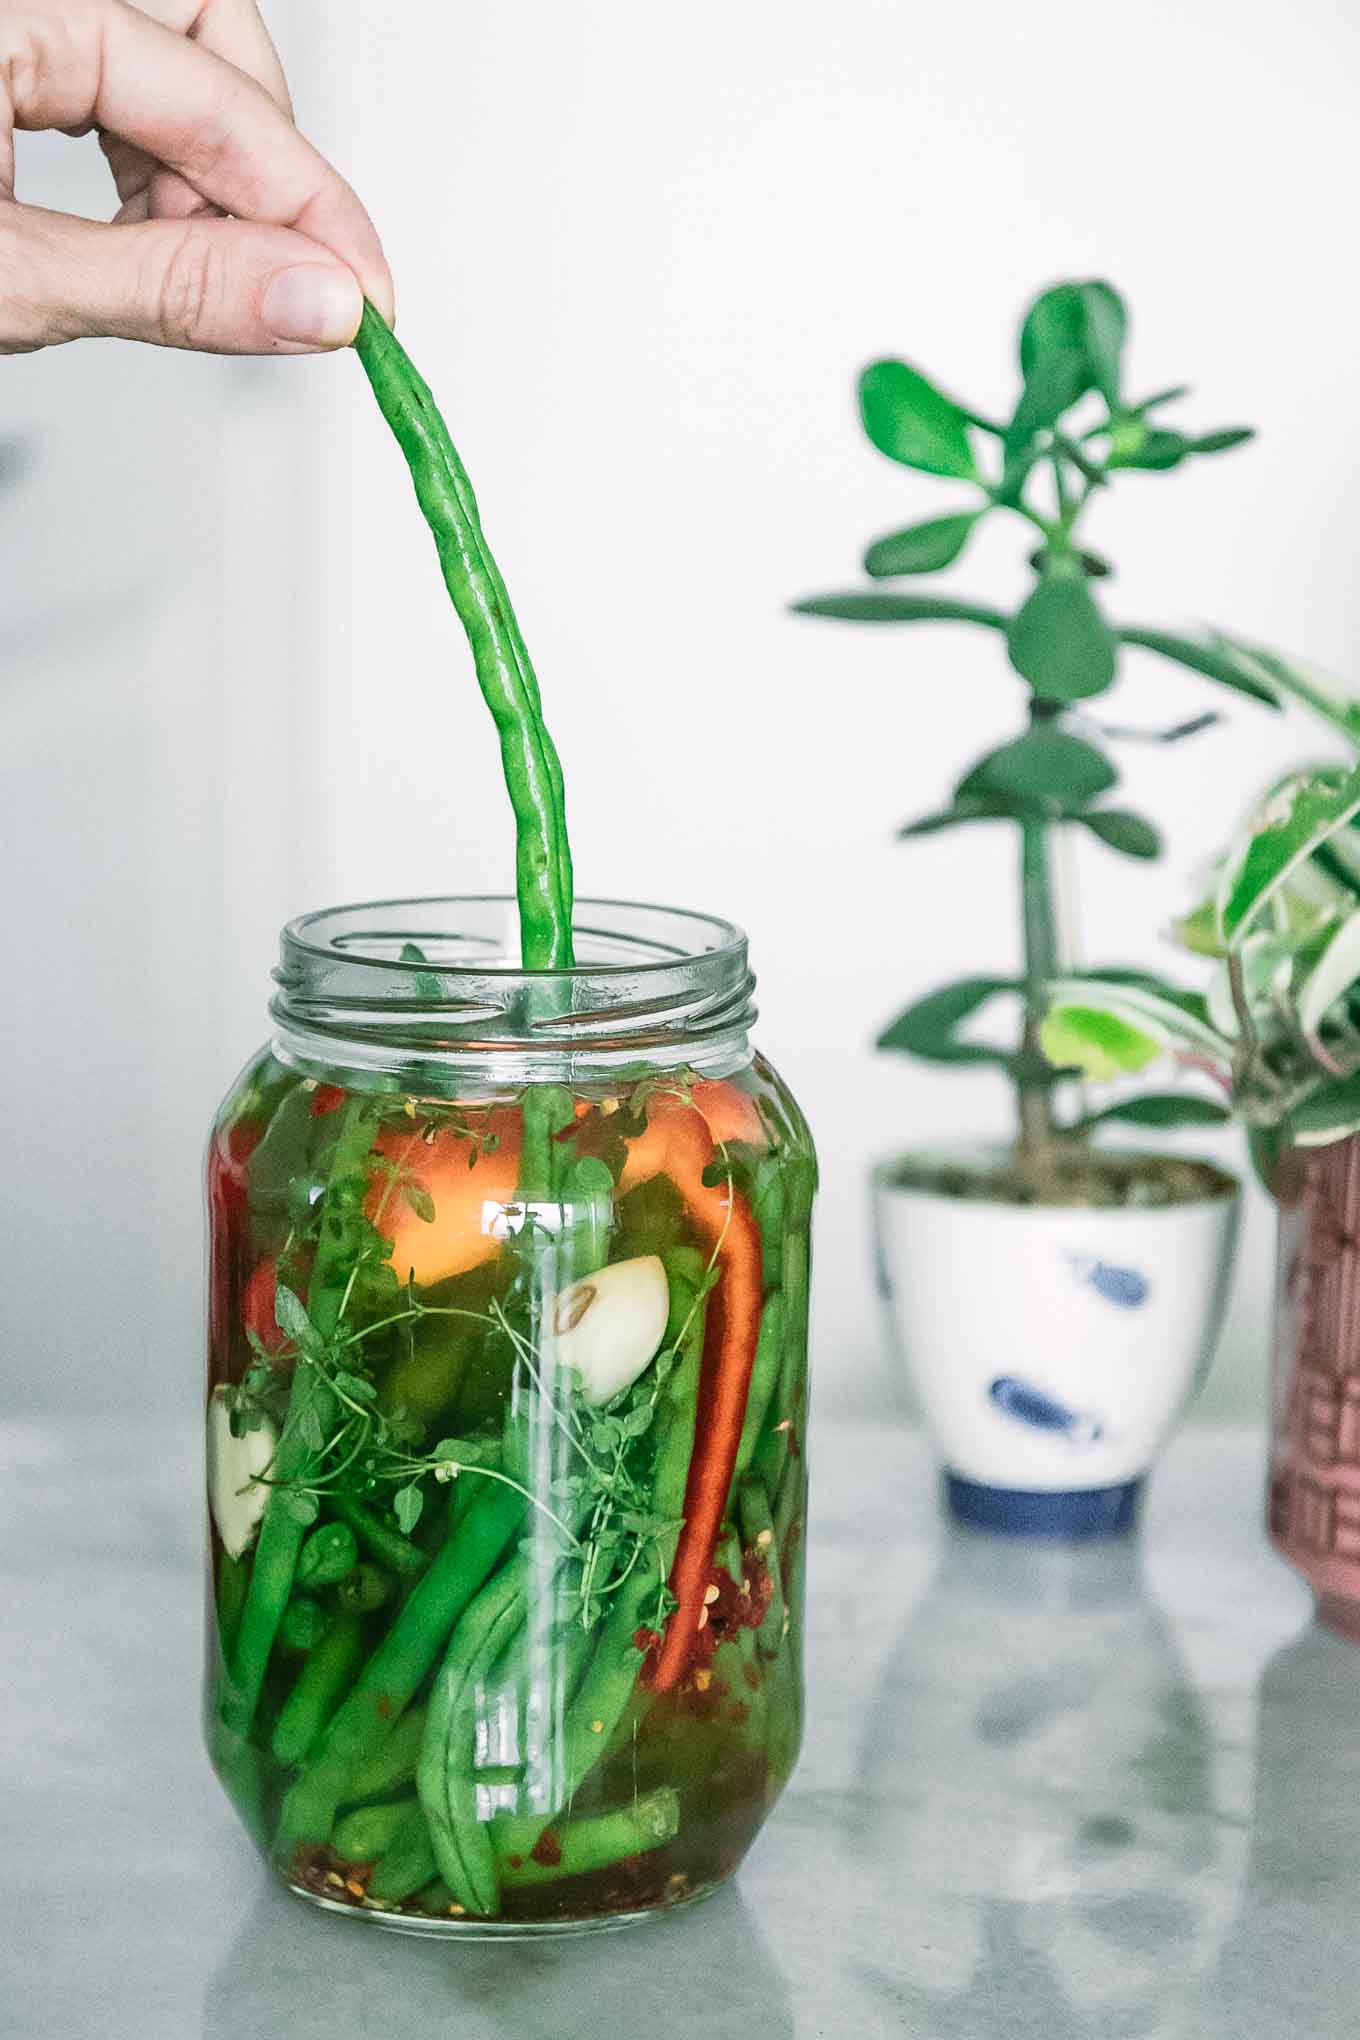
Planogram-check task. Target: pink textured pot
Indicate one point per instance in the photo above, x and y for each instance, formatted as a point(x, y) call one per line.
point(1315, 1450)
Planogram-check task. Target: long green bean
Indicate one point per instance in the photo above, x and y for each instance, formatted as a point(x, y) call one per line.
point(281, 1530)
point(378, 1539)
point(592, 1843)
point(317, 1689)
point(533, 774)
point(389, 1679)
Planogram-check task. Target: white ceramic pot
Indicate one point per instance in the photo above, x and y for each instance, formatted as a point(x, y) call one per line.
point(1052, 1349)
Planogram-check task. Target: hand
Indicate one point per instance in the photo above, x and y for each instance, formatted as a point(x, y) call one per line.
point(193, 114)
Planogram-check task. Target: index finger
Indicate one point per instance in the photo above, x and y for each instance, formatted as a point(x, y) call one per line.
point(219, 129)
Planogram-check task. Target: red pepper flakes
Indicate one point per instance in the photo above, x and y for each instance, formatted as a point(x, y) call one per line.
point(646, 1639)
point(515, 1862)
point(547, 1850)
point(329, 1098)
point(384, 1706)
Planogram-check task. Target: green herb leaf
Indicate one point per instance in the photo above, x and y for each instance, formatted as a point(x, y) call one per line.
point(1122, 830)
point(295, 1502)
point(354, 1385)
point(1045, 770)
point(294, 1323)
point(407, 1504)
point(869, 606)
point(1060, 642)
point(420, 1201)
point(313, 1437)
point(910, 420)
point(921, 548)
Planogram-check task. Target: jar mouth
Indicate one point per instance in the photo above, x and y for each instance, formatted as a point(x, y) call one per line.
point(438, 978)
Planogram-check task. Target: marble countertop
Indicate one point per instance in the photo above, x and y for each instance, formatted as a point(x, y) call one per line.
point(1056, 1794)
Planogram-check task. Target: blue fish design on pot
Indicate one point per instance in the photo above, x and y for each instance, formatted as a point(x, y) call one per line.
point(1123, 1287)
point(1030, 1405)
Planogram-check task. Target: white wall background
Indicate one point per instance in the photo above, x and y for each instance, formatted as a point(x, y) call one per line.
point(641, 257)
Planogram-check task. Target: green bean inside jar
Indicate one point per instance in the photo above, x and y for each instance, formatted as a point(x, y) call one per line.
point(507, 1381)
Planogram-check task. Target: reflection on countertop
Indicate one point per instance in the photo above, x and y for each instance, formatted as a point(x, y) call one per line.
point(1047, 1794)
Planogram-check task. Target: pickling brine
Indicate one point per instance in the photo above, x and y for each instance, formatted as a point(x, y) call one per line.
point(506, 1409)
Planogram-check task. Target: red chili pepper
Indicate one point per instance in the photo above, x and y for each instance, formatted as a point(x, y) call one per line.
point(678, 1143)
point(327, 1098)
point(228, 1155)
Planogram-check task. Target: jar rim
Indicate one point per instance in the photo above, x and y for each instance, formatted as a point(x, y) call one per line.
point(731, 938)
point(402, 988)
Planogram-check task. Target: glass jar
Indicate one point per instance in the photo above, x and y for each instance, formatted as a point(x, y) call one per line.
point(1315, 1431)
point(507, 1391)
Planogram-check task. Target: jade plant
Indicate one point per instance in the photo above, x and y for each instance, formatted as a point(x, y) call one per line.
point(1075, 432)
point(1277, 1026)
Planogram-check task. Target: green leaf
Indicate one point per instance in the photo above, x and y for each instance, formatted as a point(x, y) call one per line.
point(1150, 449)
point(420, 1201)
point(1284, 676)
point(907, 418)
point(1086, 319)
point(1216, 659)
point(1101, 1044)
point(407, 1504)
point(1060, 642)
point(974, 809)
point(1149, 1003)
point(1046, 769)
point(929, 1027)
point(1298, 817)
point(293, 1321)
point(1223, 441)
point(300, 1506)
point(1332, 1113)
point(1122, 830)
point(1332, 976)
point(869, 606)
point(1058, 381)
point(1160, 1109)
point(921, 548)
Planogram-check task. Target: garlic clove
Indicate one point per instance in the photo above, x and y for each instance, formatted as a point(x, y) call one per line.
point(608, 1326)
point(236, 1495)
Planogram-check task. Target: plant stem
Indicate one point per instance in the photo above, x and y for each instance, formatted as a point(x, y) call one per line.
point(1035, 1098)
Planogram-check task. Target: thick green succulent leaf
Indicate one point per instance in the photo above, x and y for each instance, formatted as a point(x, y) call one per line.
point(1058, 381)
point(929, 1028)
point(869, 605)
point(1061, 643)
point(1045, 770)
point(1122, 830)
point(1215, 658)
point(1296, 821)
point(1102, 1044)
point(910, 420)
point(1087, 319)
point(1149, 448)
point(1157, 1109)
point(921, 548)
point(1224, 440)
point(977, 808)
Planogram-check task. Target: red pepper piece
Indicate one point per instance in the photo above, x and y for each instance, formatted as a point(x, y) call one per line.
point(678, 1143)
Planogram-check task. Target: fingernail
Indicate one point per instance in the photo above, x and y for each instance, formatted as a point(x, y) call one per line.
point(313, 305)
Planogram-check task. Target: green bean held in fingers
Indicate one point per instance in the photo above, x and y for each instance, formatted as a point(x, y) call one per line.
point(533, 774)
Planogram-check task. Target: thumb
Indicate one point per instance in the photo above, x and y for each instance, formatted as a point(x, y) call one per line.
point(219, 286)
